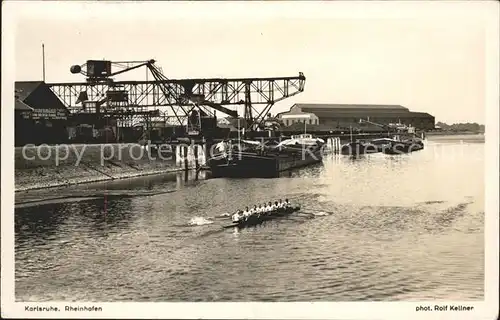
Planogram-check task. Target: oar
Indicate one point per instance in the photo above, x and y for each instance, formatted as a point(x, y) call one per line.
point(223, 216)
point(319, 211)
point(304, 213)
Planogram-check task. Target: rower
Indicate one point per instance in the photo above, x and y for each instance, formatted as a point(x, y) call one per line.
point(287, 203)
point(244, 214)
point(276, 205)
point(265, 208)
point(255, 210)
point(236, 217)
point(247, 212)
point(270, 206)
point(281, 204)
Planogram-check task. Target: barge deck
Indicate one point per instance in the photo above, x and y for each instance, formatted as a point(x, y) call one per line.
point(255, 165)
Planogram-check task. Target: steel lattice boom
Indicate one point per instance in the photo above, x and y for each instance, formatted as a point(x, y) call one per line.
point(174, 97)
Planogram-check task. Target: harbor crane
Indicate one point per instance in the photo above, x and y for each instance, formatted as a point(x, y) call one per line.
point(173, 99)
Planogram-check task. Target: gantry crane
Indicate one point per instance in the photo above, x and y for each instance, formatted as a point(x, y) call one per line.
point(172, 99)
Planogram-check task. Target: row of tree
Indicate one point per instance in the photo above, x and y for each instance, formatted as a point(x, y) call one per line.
point(461, 127)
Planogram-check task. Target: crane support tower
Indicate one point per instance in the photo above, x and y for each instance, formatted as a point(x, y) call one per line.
point(172, 100)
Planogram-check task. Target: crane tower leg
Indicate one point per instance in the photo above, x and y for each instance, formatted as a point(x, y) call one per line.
point(248, 108)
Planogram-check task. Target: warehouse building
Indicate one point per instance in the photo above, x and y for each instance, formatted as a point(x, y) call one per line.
point(40, 117)
point(296, 115)
point(330, 116)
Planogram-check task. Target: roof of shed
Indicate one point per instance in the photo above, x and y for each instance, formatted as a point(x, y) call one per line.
point(347, 106)
point(21, 106)
point(24, 88)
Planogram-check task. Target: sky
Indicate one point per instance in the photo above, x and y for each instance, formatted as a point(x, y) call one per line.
point(426, 58)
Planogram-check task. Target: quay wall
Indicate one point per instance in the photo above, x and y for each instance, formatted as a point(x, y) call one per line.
point(38, 167)
point(61, 165)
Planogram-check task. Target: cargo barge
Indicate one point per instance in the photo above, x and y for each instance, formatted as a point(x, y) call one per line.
point(358, 148)
point(384, 145)
point(400, 147)
point(255, 160)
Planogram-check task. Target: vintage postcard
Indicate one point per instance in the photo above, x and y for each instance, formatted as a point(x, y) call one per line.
point(250, 160)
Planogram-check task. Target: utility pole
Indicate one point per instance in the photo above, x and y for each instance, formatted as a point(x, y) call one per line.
point(43, 62)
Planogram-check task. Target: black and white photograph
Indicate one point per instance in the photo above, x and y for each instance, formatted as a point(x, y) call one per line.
point(250, 159)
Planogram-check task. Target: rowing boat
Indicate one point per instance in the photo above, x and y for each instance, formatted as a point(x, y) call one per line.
point(256, 219)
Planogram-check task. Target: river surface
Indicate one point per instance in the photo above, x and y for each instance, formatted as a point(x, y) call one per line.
point(380, 227)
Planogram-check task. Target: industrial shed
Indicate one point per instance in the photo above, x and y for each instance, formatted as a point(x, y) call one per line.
point(40, 117)
point(346, 115)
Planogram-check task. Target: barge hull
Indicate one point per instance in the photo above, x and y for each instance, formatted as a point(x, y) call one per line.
point(253, 166)
point(401, 149)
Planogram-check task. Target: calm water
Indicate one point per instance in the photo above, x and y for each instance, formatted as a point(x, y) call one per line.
point(374, 228)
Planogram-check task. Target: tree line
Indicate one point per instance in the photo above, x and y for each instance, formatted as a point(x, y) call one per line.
point(461, 127)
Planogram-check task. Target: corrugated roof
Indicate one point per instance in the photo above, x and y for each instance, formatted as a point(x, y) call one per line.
point(25, 88)
point(347, 106)
point(38, 95)
point(298, 115)
point(421, 114)
point(358, 110)
point(293, 112)
point(394, 114)
point(357, 113)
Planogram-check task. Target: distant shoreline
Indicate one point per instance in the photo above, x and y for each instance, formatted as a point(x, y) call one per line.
point(452, 133)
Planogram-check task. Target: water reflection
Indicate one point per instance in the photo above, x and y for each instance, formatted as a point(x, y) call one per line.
point(48, 221)
point(375, 227)
point(40, 222)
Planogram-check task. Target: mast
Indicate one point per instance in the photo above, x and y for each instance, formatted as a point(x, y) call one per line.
point(43, 62)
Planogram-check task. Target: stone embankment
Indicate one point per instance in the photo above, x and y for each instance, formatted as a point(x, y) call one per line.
point(52, 166)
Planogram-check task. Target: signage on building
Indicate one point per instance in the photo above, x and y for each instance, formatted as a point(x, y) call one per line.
point(26, 114)
point(50, 114)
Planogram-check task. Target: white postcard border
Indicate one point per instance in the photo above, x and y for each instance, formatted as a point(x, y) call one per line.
point(307, 310)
